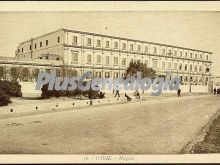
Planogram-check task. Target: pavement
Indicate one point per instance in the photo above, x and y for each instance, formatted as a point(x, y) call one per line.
point(159, 125)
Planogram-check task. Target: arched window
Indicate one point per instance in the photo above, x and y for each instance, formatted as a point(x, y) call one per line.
point(180, 67)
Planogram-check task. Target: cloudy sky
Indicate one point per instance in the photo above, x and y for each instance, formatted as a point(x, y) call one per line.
point(198, 30)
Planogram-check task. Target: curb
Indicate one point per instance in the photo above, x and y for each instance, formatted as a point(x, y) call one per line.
point(199, 136)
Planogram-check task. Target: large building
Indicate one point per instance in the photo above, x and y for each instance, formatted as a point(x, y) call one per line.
point(109, 56)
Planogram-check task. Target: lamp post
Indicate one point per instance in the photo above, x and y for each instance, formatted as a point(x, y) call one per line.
point(207, 81)
point(190, 87)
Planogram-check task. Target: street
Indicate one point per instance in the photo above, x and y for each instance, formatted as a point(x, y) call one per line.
point(156, 126)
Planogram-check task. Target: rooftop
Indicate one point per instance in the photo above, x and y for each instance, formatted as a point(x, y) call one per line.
point(122, 38)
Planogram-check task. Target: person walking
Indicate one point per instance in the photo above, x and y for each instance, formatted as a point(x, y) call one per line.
point(117, 93)
point(218, 91)
point(179, 92)
point(214, 91)
point(138, 95)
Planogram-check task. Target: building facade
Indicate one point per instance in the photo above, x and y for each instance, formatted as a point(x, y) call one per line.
point(109, 56)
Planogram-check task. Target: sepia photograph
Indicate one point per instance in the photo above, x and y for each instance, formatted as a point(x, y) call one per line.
point(109, 85)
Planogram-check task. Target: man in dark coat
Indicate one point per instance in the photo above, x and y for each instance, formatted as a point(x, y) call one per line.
point(179, 92)
point(214, 91)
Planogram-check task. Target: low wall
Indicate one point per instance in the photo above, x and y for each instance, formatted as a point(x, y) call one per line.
point(29, 88)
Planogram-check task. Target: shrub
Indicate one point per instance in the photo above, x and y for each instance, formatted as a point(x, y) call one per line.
point(12, 89)
point(91, 94)
point(4, 99)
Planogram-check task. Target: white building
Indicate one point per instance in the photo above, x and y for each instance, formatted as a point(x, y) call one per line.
point(109, 56)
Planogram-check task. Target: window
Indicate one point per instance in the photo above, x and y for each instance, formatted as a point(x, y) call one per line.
point(98, 74)
point(191, 55)
point(124, 46)
point(89, 41)
point(74, 39)
point(196, 68)
point(124, 61)
point(47, 70)
point(169, 65)
point(163, 52)
point(190, 67)
point(74, 56)
point(155, 50)
point(185, 67)
point(139, 48)
point(146, 49)
point(154, 63)
point(98, 59)
point(116, 45)
point(107, 44)
point(201, 56)
point(40, 44)
point(175, 52)
point(57, 73)
point(107, 74)
point(116, 75)
point(115, 60)
point(169, 52)
point(146, 62)
point(163, 65)
point(181, 53)
point(22, 49)
point(131, 47)
point(89, 58)
point(58, 39)
point(200, 68)
point(175, 66)
point(107, 60)
point(35, 46)
point(30, 47)
point(196, 56)
point(207, 57)
point(98, 43)
point(186, 54)
point(46, 42)
point(180, 67)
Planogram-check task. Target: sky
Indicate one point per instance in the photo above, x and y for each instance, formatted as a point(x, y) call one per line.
point(193, 29)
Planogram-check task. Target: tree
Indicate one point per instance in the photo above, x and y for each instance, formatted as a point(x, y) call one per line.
point(14, 73)
point(25, 74)
point(35, 73)
point(135, 67)
point(2, 73)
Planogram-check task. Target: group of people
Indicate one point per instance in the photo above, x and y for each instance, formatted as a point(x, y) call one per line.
point(216, 91)
point(136, 94)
